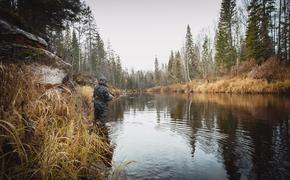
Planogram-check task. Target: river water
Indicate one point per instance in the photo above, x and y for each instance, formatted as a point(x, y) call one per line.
point(201, 136)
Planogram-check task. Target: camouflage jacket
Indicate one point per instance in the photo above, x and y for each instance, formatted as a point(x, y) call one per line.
point(102, 93)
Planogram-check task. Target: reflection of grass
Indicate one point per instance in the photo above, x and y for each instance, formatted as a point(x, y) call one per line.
point(246, 101)
point(116, 174)
point(44, 133)
point(249, 106)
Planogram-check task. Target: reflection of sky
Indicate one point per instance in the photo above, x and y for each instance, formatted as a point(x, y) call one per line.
point(160, 150)
point(203, 136)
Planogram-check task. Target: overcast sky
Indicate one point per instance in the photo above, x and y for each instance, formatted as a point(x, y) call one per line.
point(139, 30)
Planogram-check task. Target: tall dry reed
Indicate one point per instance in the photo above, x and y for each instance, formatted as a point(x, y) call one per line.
point(44, 134)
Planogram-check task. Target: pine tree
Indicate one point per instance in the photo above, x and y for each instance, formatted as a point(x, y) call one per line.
point(258, 42)
point(47, 14)
point(156, 72)
point(101, 54)
point(177, 67)
point(90, 32)
point(190, 56)
point(75, 52)
point(267, 46)
point(225, 51)
point(98, 54)
point(205, 56)
point(253, 42)
point(119, 75)
point(170, 66)
point(171, 63)
point(67, 54)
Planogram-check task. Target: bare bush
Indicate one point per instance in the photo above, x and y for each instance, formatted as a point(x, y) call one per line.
point(244, 67)
point(269, 70)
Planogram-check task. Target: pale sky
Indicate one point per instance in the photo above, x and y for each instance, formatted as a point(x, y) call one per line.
point(139, 30)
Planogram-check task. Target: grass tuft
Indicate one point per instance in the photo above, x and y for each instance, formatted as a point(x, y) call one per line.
point(45, 132)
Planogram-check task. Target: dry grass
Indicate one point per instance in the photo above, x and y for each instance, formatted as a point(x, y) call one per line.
point(272, 77)
point(233, 85)
point(44, 133)
point(87, 92)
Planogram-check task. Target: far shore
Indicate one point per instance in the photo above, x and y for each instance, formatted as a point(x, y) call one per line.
point(237, 85)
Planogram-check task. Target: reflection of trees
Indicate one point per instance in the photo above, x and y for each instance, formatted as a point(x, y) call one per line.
point(116, 109)
point(228, 125)
point(249, 134)
point(177, 112)
point(132, 102)
point(257, 132)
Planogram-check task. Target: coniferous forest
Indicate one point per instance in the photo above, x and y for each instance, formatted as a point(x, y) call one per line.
point(246, 30)
point(217, 107)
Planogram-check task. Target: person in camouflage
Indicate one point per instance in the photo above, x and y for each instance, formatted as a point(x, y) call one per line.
point(101, 98)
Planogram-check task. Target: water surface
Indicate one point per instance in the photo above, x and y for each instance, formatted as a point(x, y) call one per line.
point(201, 136)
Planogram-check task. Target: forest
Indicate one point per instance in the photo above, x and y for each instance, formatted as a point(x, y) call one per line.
point(248, 33)
point(48, 123)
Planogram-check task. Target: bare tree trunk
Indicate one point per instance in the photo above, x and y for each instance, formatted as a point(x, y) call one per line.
point(279, 29)
point(288, 11)
point(285, 33)
point(79, 30)
point(187, 70)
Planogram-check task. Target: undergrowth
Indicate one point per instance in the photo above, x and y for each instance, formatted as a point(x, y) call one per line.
point(44, 133)
point(271, 77)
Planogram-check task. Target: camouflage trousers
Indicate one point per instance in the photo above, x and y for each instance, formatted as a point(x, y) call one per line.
point(100, 111)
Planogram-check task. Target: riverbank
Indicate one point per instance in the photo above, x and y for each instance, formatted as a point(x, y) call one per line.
point(46, 133)
point(272, 77)
point(232, 85)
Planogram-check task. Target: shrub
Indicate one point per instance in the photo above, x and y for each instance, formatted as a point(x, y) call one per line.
point(269, 70)
point(244, 67)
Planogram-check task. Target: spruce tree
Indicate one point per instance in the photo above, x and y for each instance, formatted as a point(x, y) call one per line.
point(267, 49)
point(47, 14)
point(67, 54)
point(99, 60)
point(156, 72)
point(177, 67)
point(258, 42)
point(190, 56)
point(75, 52)
point(118, 72)
point(205, 56)
point(253, 42)
point(170, 66)
point(225, 51)
point(171, 63)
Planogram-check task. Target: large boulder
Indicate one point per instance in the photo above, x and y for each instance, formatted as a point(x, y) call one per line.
point(19, 46)
point(13, 34)
point(10, 52)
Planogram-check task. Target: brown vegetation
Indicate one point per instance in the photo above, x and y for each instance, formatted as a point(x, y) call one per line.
point(45, 133)
point(273, 76)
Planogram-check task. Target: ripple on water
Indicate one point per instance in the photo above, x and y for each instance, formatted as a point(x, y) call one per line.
point(170, 138)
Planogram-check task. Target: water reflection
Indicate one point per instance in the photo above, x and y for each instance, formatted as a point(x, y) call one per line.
point(202, 136)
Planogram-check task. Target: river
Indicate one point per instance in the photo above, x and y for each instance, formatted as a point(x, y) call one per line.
point(201, 136)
